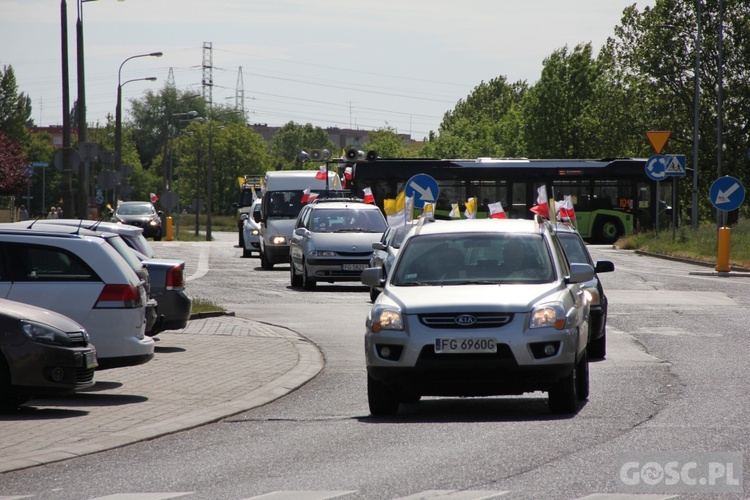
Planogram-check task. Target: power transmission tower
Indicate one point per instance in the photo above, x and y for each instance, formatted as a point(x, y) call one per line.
point(170, 79)
point(208, 79)
point(239, 98)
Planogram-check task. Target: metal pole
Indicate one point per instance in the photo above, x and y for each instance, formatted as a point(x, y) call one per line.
point(83, 168)
point(67, 175)
point(696, 109)
point(118, 139)
point(209, 180)
point(719, 217)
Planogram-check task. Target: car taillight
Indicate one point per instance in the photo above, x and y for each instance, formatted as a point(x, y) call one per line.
point(119, 297)
point(176, 278)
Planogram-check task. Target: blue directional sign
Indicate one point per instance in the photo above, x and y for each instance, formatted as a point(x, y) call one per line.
point(656, 167)
point(727, 193)
point(423, 188)
point(674, 165)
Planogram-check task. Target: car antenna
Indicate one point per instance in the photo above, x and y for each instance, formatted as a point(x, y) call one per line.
point(34, 222)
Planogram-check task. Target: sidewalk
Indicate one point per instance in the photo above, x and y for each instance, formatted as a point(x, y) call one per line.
point(213, 368)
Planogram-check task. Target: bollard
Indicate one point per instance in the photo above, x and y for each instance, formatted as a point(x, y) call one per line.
point(722, 260)
point(169, 229)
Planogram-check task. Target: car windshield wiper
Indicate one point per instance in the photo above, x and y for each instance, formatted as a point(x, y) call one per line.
point(353, 230)
point(416, 283)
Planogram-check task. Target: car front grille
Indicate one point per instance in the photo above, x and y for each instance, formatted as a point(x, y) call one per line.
point(450, 320)
point(77, 337)
point(365, 255)
point(84, 376)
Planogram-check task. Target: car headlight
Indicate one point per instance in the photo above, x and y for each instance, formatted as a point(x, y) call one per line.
point(42, 333)
point(548, 315)
point(255, 232)
point(321, 253)
point(387, 319)
point(153, 222)
point(278, 240)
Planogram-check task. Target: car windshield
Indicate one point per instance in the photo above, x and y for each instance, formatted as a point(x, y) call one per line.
point(135, 210)
point(574, 248)
point(399, 236)
point(347, 221)
point(474, 258)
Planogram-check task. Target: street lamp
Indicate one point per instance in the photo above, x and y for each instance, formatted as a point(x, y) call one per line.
point(696, 107)
point(118, 109)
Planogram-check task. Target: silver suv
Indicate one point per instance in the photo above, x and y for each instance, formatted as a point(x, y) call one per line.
point(332, 241)
point(478, 308)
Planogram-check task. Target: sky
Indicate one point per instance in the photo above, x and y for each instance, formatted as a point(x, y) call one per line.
point(332, 63)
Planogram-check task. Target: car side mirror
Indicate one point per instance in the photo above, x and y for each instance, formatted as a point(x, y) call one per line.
point(160, 213)
point(378, 245)
point(243, 217)
point(300, 231)
point(580, 273)
point(373, 276)
point(604, 266)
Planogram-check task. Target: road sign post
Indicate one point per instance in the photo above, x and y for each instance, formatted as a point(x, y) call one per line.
point(726, 193)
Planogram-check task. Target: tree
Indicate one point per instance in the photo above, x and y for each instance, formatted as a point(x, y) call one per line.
point(13, 181)
point(387, 143)
point(293, 138)
point(15, 108)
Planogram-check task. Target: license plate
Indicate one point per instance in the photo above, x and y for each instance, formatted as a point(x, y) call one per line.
point(464, 345)
point(355, 267)
point(91, 360)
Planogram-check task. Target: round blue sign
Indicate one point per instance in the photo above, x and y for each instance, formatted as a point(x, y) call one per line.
point(656, 167)
point(423, 188)
point(727, 193)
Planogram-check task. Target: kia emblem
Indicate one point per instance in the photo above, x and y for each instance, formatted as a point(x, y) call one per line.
point(465, 320)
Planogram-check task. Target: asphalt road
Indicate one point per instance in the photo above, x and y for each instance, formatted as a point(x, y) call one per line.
point(675, 381)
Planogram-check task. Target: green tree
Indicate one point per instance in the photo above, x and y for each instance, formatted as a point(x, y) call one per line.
point(293, 138)
point(387, 143)
point(15, 108)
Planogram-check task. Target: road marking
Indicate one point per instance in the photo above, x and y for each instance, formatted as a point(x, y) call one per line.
point(202, 263)
point(670, 298)
point(303, 495)
point(455, 495)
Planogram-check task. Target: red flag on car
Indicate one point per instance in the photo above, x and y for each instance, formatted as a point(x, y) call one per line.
point(542, 202)
point(565, 209)
point(369, 198)
point(496, 211)
point(322, 173)
point(154, 198)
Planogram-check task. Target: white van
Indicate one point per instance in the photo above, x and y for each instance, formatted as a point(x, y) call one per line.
point(282, 201)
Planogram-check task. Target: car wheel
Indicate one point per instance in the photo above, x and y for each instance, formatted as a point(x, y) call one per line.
point(608, 230)
point(157, 236)
point(409, 397)
point(598, 347)
point(8, 401)
point(242, 242)
point(563, 396)
point(374, 292)
point(582, 377)
point(264, 262)
point(246, 253)
point(307, 282)
point(294, 278)
point(382, 400)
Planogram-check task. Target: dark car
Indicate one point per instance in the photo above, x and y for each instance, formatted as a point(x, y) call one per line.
point(140, 214)
point(578, 253)
point(41, 353)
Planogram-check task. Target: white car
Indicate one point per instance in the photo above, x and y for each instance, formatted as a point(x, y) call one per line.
point(251, 230)
point(478, 308)
point(82, 277)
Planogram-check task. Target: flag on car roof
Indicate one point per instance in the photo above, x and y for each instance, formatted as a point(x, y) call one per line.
point(542, 202)
point(455, 211)
point(398, 210)
point(565, 209)
point(496, 211)
point(154, 198)
point(322, 173)
point(255, 195)
point(369, 198)
point(305, 195)
point(471, 208)
point(428, 210)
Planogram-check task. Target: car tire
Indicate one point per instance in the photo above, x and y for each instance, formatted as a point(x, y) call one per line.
point(563, 396)
point(608, 230)
point(582, 377)
point(374, 292)
point(264, 262)
point(598, 347)
point(8, 401)
point(246, 253)
point(157, 236)
point(307, 282)
point(242, 241)
point(294, 279)
point(382, 401)
point(409, 397)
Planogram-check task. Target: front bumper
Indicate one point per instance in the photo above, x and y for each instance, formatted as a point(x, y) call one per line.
point(39, 369)
point(336, 269)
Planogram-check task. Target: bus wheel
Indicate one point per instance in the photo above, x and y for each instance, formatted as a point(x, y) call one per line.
point(608, 230)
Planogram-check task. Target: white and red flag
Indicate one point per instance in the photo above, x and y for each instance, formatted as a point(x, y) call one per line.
point(542, 202)
point(496, 211)
point(305, 196)
point(154, 198)
point(565, 209)
point(369, 198)
point(322, 173)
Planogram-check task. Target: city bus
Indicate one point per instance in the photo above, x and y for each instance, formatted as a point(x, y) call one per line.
point(612, 197)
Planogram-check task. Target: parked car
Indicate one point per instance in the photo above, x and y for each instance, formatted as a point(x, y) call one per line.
point(41, 353)
point(140, 214)
point(577, 252)
point(478, 308)
point(385, 251)
point(250, 240)
point(166, 276)
point(82, 277)
point(332, 241)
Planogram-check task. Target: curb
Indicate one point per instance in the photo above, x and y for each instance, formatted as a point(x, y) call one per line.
point(210, 314)
point(687, 261)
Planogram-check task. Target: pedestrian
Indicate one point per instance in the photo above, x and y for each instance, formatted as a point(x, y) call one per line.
point(59, 213)
point(52, 213)
point(23, 214)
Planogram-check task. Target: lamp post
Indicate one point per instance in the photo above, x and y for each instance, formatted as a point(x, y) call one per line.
point(118, 109)
point(696, 108)
point(189, 114)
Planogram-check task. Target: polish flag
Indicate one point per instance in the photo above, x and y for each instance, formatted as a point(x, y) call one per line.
point(565, 209)
point(369, 198)
point(496, 211)
point(322, 173)
point(305, 196)
point(154, 198)
point(313, 196)
point(542, 202)
point(348, 173)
